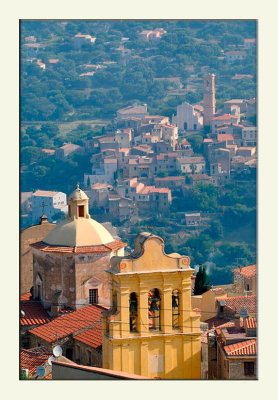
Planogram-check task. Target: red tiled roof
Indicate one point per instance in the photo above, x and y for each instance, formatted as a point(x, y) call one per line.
point(248, 348)
point(104, 248)
point(49, 151)
point(249, 271)
point(45, 193)
point(221, 137)
point(25, 296)
point(160, 190)
point(223, 117)
point(31, 359)
point(35, 314)
point(69, 323)
point(146, 189)
point(91, 337)
point(238, 302)
point(251, 323)
point(171, 178)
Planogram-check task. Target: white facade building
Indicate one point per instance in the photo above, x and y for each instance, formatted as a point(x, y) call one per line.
point(187, 118)
point(191, 165)
point(48, 203)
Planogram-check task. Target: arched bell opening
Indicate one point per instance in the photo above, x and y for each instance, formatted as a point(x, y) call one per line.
point(133, 312)
point(154, 302)
point(175, 308)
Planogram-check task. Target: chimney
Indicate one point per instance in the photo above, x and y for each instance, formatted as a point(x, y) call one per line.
point(55, 310)
point(55, 306)
point(237, 321)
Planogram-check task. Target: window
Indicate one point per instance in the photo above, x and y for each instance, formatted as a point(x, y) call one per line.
point(133, 312)
point(93, 296)
point(81, 211)
point(249, 368)
point(154, 301)
point(185, 126)
point(175, 309)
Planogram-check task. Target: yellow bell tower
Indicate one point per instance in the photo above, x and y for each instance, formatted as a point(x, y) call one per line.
point(150, 329)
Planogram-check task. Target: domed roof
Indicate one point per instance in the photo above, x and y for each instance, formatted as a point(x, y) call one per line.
point(78, 194)
point(78, 232)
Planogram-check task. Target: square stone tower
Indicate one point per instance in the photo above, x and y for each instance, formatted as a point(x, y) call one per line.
point(209, 98)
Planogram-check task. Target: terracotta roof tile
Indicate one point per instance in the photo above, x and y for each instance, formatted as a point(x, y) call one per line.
point(251, 323)
point(91, 337)
point(238, 302)
point(31, 359)
point(105, 248)
point(35, 314)
point(221, 137)
point(45, 193)
point(248, 348)
point(248, 272)
point(69, 323)
point(224, 117)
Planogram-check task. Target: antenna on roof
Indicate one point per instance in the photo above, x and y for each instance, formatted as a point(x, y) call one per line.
point(57, 351)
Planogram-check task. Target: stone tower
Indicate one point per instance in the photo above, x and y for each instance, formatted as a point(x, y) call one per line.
point(150, 329)
point(209, 98)
point(69, 263)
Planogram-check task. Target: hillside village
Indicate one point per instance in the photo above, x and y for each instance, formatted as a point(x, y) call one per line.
point(165, 197)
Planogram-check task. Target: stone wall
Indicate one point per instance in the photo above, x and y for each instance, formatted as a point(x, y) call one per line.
point(86, 355)
point(236, 369)
point(74, 275)
point(30, 235)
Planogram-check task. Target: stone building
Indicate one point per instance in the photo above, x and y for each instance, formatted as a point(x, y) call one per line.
point(151, 329)
point(237, 350)
point(28, 236)
point(244, 280)
point(69, 263)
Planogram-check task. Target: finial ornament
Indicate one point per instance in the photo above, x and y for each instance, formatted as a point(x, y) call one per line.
point(77, 186)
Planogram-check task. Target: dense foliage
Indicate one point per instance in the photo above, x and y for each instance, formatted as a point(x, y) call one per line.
point(61, 92)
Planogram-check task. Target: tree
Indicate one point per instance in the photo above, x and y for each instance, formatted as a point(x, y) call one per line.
point(201, 281)
point(216, 230)
point(31, 155)
point(196, 142)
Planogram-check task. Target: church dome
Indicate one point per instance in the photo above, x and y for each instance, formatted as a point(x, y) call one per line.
point(78, 232)
point(79, 229)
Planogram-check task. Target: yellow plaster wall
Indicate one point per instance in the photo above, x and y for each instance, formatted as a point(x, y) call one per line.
point(143, 351)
